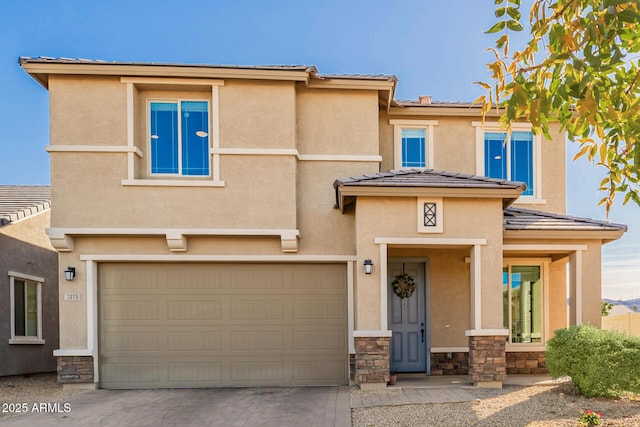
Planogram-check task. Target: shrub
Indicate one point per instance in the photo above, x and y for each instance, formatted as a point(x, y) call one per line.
point(599, 362)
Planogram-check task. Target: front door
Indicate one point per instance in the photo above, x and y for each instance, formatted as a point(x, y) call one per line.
point(407, 316)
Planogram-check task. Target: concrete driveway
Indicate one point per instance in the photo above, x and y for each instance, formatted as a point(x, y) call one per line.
point(229, 407)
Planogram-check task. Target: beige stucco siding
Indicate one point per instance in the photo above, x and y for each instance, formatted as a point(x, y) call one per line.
point(557, 296)
point(256, 114)
point(342, 122)
point(448, 284)
point(259, 193)
point(592, 283)
point(454, 148)
point(31, 230)
point(324, 229)
point(372, 220)
point(87, 110)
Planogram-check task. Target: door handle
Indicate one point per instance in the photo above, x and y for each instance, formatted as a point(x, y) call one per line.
point(422, 330)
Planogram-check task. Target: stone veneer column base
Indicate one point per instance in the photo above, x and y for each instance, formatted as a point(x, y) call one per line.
point(526, 362)
point(77, 370)
point(487, 360)
point(372, 362)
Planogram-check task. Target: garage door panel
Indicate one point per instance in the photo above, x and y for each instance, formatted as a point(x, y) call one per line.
point(194, 309)
point(194, 372)
point(205, 341)
point(312, 370)
point(203, 325)
point(130, 310)
point(264, 279)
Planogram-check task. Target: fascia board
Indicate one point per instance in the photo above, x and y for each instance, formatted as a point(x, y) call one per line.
point(474, 193)
point(605, 235)
point(162, 71)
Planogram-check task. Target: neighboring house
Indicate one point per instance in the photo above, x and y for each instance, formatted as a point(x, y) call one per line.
point(231, 226)
point(621, 318)
point(28, 282)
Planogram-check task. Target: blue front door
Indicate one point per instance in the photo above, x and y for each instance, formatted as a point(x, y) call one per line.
point(407, 318)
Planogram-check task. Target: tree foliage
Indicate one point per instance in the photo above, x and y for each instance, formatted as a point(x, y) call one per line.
point(606, 308)
point(580, 68)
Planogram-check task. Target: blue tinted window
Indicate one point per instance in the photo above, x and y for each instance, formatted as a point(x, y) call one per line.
point(520, 157)
point(195, 138)
point(413, 146)
point(164, 137)
point(495, 155)
point(180, 146)
point(522, 160)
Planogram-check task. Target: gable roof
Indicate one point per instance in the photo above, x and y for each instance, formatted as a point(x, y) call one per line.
point(21, 201)
point(412, 182)
point(428, 178)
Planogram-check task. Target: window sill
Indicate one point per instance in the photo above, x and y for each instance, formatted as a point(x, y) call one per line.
point(529, 200)
point(515, 347)
point(170, 183)
point(25, 340)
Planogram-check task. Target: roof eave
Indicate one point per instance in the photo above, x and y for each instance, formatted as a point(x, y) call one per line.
point(605, 236)
point(346, 194)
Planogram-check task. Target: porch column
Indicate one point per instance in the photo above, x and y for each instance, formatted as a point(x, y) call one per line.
point(475, 291)
point(575, 288)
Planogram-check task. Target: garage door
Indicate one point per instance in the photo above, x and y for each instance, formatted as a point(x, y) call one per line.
point(204, 325)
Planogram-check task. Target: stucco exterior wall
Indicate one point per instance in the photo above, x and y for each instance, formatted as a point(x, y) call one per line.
point(557, 296)
point(372, 214)
point(87, 110)
point(25, 249)
point(592, 284)
point(448, 287)
point(454, 148)
point(337, 122)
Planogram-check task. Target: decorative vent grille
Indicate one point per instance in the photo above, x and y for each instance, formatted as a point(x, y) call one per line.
point(430, 215)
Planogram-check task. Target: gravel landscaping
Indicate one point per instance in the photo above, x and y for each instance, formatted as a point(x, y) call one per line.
point(539, 405)
point(17, 391)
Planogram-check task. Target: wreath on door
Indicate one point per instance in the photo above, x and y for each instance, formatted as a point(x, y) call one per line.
point(403, 285)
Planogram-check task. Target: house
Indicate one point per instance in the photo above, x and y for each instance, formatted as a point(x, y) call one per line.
point(235, 226)
point(28, 282)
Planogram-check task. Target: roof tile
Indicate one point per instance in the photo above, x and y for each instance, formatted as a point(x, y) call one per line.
point(21, 201)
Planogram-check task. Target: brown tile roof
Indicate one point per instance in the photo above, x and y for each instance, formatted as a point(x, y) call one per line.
point(525, 219)
point(312, 70)
point(436, 104)
point(20, 201)
point(427, 178)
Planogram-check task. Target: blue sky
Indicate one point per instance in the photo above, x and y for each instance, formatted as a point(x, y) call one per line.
point(434, 47)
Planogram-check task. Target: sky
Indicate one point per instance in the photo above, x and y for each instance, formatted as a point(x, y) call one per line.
point(435, 48)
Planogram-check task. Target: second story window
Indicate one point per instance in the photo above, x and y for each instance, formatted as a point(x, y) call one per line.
point(511, 158)
point(515, 157)
point(413, 143)
point(413, 148)
point(179, 138)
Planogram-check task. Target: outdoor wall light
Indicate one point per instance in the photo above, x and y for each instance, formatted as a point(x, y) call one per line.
point(368, 265)
point(70, 273)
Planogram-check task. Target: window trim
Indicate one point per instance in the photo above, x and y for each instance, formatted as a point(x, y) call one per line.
point(543, 263)
point(398, 126)
point(38, 281)
point(170, 83)
point(482, 128)
point(179, 175)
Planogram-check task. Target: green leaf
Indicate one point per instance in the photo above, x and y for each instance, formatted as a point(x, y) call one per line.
point(499, 26)
point(499, 1)
point(514, 25)
point(500, 12)
point(513, 12)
